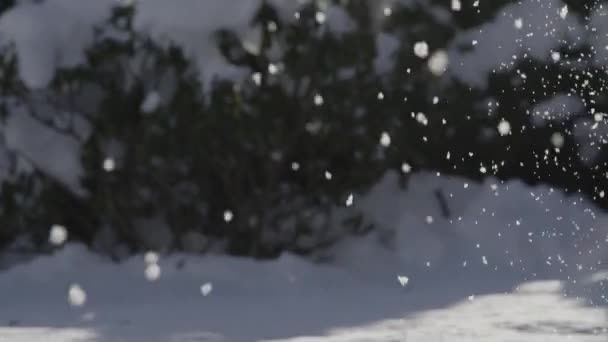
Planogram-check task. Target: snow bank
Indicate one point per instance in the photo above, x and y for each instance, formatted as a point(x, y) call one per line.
point(496, 225)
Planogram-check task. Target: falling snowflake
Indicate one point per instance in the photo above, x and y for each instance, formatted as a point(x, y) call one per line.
point(556, 56)
point(152, 272)
point(421, 49)
point(58, 235)
point(557, 140)
point(228, 215)
point(406, 168)
point(257, 78)
point(518, 23)
point(76, 295)
point(320, 17)
point(318, 100)
point(385, 139)
point(349, 200)
point(273, 68)
point(504, 127)
point(456, 5)
point(206, 289)
point(563, 12)
point(272, 26)
point(438, 63)
point(421, 118)
point(109, 164)
point(403, 280)
point(151, 258)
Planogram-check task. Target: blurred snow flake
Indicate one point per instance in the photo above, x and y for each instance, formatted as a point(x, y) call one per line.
point(484, 260)
point(557, 139)
point(518, 23)
point(385, 139)
point(403, 280)
point(504, 127)
point(109, 164)
point(563, 12)
point(150, 103)
point(456, 5)
point(228, 215)
point(320, 17)
point(272, 26)
point(349, 200)
point(152, 272)
point(387, 11)
point(421, 49)
point(58, 235)
point(406, 168)
point(318, 100)
point(206, 289)
point(438, 63)
point(76, 295)
point(328, 175)
point(151, 258)
point(273, 69)
point(421, 118)
point(556, 56)
point(257, 78)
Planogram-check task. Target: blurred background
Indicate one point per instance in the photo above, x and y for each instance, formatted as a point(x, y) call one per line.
point(251, 128)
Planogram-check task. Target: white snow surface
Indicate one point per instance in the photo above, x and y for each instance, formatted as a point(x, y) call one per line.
point(45, 149)
point(50, 34)
point(358, 293)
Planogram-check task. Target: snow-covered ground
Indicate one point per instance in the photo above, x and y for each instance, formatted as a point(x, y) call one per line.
point(283, 300)
point(430, 285)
